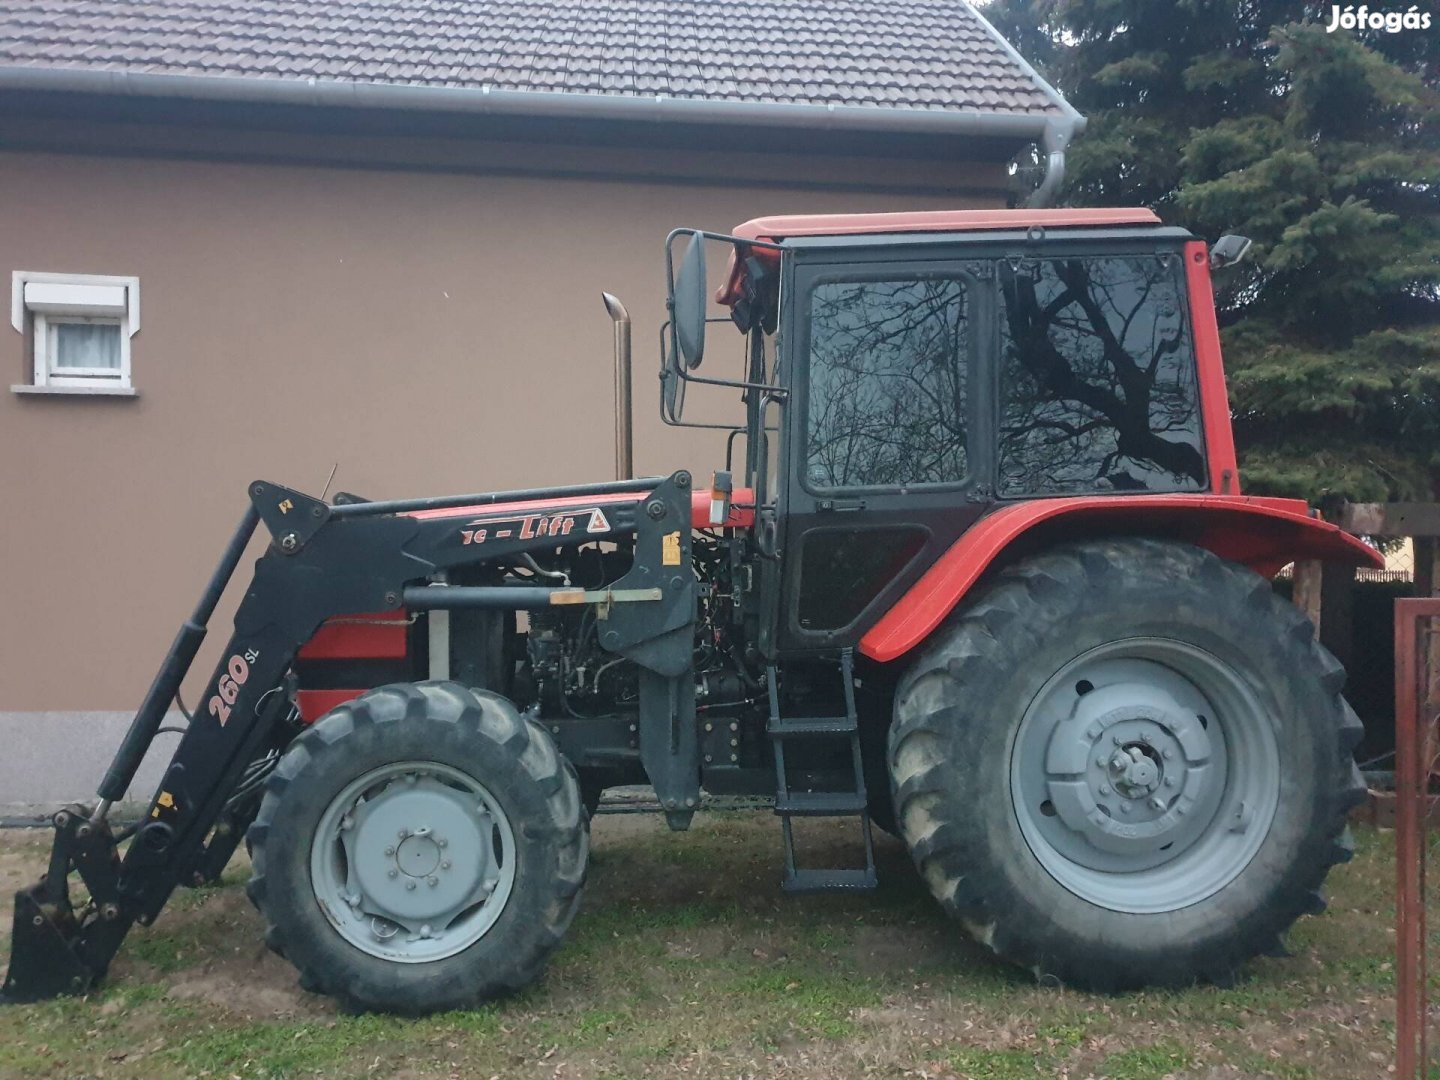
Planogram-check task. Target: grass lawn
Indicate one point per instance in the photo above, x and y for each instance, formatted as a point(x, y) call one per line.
point(688, 961)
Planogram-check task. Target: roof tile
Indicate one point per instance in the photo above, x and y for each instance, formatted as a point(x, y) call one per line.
point(928, 54)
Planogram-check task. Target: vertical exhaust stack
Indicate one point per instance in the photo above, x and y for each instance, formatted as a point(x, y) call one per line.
point(624, 437)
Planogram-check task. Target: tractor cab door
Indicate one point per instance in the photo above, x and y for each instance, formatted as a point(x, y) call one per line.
point(884, 457)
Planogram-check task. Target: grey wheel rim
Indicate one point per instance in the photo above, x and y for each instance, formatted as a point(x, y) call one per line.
point(413, 862)
point(1145, 775)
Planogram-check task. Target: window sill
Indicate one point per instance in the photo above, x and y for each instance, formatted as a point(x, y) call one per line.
point(83, 391)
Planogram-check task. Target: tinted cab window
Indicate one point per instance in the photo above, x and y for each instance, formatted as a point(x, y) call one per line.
point(887, 384)
point(1097, 378)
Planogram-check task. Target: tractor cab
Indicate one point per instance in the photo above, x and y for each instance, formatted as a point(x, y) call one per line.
point(906, 374)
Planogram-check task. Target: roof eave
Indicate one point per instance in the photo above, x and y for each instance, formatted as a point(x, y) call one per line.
point(1047, 128)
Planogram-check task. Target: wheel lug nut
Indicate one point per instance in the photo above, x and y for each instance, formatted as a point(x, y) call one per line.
point(394, 873)
point(444, 866)
point(441, 842)
point(432, 881)
point(1104, 789)
point(1124, 807)
point(410, 886)
point(404, 833)
point(1168, 754)
point(389, 851)
point(1169, 781)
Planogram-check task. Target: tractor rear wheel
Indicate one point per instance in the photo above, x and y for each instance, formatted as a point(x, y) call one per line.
point(420, 848)
point(1127, 763)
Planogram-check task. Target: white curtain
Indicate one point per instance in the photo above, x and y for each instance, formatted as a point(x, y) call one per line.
point(87, 345)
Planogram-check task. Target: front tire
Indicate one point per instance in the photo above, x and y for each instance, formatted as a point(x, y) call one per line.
point(420, 848)
point(1127, 763)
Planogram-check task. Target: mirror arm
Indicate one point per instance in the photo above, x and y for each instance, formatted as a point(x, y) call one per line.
point(778, 392)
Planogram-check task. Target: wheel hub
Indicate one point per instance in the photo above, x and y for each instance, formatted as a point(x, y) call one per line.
point(1133, 773)
point(1126, 772)
point(419, 853)
point(407, 862)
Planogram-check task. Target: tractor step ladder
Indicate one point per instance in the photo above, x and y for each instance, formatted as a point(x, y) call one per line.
point(792, 804)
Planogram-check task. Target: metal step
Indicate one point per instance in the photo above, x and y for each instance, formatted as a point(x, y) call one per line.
point(815, 881)
point(812, 725)
point(792, 804)
point(820, 803)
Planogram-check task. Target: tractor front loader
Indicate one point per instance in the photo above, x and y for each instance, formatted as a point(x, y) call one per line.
point(982, 577)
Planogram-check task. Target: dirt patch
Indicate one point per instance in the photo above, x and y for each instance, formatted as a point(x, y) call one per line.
point(256, 986)
point(22, 859)
point(703, 943)
point(209, 947)
point(887, 950)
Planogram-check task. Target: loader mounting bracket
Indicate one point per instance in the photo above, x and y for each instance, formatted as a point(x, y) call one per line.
point(55, 950)
point(291, 516)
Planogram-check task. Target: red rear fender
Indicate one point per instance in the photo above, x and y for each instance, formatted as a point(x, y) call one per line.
point(1263, 534)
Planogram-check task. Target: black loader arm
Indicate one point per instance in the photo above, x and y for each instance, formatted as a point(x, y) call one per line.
point(324, 561)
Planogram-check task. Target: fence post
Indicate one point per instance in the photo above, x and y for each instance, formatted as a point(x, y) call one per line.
point(1309, 583)
point(1427, 582)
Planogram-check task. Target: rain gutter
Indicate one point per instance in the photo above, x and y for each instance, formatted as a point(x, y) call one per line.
point(1053, 132)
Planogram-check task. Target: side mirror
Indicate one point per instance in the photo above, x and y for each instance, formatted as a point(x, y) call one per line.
point(688, 313)
point(1228, 251)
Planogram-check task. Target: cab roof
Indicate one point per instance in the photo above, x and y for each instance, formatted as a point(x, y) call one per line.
point(785, 226)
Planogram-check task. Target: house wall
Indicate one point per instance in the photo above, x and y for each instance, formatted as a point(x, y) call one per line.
point(429, 331)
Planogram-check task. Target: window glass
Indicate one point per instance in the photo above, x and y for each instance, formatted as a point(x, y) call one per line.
point(843, 570)
point(87, 345)
point(887, 384)
point(1098, 388)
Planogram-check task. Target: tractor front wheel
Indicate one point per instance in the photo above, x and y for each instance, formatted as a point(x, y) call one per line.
point(1126, 764)
point(420, 848)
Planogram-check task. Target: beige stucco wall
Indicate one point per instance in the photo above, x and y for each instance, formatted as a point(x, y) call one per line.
point(431, 332)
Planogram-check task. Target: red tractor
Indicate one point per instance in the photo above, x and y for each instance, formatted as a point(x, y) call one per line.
point(978, 571)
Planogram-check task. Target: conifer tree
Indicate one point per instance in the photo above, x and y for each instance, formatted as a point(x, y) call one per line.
point(1248, 116)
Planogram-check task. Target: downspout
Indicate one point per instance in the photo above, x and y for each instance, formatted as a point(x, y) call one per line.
point(1053, 145)
point(1061, 126)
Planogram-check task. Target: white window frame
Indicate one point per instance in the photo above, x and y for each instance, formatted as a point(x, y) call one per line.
point(49, 300)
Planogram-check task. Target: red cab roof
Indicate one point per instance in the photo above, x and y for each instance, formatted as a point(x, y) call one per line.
point(780, 227)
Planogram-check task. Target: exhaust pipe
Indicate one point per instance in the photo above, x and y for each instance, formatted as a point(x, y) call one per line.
point(624, 438)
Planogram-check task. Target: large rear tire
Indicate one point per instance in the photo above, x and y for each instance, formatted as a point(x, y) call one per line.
point(420, 848)
point(1127, 763)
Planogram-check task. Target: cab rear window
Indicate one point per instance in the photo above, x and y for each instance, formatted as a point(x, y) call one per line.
point(1097, 378)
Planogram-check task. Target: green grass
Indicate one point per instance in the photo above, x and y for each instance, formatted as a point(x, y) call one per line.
point(977, 1064)
point(688, 960)
point(1146, 1062)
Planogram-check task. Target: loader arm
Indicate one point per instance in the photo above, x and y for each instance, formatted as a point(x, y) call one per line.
point(328, 561)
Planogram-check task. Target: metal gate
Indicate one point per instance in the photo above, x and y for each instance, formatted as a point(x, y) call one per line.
point(1417, 705)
